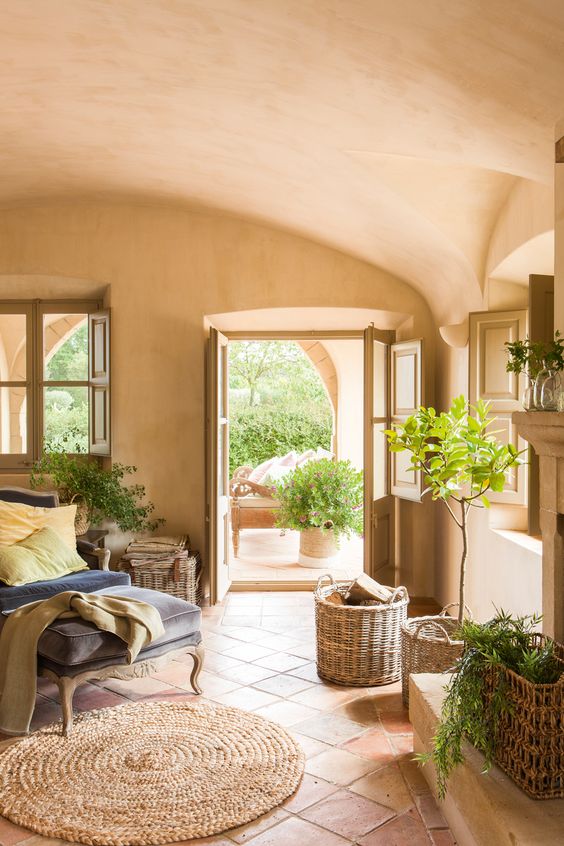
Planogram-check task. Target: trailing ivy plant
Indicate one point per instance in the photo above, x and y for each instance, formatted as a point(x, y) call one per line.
point(322, 494)
point(103, 491)
point(530, 357)
point(460, 461)
point(472, 711)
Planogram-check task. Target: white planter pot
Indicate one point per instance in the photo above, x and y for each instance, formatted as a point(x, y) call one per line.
point(318, 548)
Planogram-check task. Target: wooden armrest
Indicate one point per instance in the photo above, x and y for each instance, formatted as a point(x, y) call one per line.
point(243, 487)
point(103, 556)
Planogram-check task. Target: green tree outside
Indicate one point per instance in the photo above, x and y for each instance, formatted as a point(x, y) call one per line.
point(66, 408)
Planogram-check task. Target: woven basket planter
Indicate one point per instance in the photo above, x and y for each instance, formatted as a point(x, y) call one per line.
point(318, 547)
point(529, 742)
point(181, 578)
point(358, 645)
point(427, 647)
point(82, 519)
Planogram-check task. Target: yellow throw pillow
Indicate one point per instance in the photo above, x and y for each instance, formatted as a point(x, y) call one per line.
point(41, 556)
point(18, 521)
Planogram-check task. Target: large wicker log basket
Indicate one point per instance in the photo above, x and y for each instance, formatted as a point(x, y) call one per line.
point(358, 645)
point(428, 646)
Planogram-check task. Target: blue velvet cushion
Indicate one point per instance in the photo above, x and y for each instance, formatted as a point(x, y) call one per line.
point(85, 581)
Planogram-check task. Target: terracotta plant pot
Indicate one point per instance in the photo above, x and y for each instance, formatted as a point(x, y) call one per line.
point(318, 548)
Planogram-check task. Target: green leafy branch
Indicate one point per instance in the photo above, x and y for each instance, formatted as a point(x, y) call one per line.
point(460, 461)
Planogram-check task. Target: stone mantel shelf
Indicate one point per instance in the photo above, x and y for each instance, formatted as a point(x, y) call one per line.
point(544, 430)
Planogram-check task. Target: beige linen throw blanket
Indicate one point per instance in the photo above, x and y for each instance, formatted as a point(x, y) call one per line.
point(137, 623)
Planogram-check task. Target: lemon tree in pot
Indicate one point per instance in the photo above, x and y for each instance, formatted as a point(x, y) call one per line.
point(323, 501)
point(461, 460)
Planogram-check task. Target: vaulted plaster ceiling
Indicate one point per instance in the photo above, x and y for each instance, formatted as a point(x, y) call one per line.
point(393, 131)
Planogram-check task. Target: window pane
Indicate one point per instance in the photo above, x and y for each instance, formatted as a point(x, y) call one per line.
point(65, 347)
point(65, 419)
point(13, 420)
point(380, 468)
point(13, 347)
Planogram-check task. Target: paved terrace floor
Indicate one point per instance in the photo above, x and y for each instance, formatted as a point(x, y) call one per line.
point(266, 555)
point(360, 786)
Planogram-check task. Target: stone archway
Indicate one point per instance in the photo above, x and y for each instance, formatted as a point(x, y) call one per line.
point(324, 365)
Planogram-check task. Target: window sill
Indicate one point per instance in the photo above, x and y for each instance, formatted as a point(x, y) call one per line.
point(532, 544)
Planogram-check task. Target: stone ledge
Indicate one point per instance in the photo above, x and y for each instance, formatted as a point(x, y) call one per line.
point(481, 809)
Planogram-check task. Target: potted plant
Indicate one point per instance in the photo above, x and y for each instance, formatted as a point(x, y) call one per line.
point(323, 501)
point(460, 460)
point(506, 698)
point(99, 493)
point(541, 364)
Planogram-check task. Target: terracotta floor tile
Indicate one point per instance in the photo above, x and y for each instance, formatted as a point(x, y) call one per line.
point(90, 698)
point(304, 650)
point(247, 652)
point(246, 634)
point(285, 712)
point(281, 643)
point(213, 685)
point(48, 689)
point(247, 698)
point(297, 832)
point(250, 617)
point(373, 745)
point(136, 688)
point(282, 685)
point(246, 832)
point(406, 830)
point(430, 812)
point(387, 787)
point(310, 745)
point(218, 840)
point(330, 728)
point(307, 672)
point(323, 697)
point(311, 790)
point(413, 774)
point(281, 662)
point(10, 833)
point(363, 709)
point(402, 743)
point(338, 766)
point(396, 722)
point(247, 673)
point(216, 662)
point(219, 642)
point(348, 814)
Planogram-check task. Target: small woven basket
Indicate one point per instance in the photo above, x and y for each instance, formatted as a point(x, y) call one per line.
point(358, 645)
point(529, 742)
point(318, 543)
point(427, 647)
point(82, 518)
point(181, 578)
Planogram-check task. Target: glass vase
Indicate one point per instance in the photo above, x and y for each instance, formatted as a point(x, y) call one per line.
point(528, 398)
point(549, 391)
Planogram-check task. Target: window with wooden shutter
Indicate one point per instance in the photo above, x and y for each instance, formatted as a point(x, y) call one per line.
point(406, 395)
point(490, 381)
point(99, 382)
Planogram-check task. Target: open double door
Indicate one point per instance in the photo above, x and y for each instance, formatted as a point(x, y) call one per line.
point(392, 391)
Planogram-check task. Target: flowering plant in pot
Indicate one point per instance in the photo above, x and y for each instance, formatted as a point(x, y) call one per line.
point(461, 460)
point(323, 501)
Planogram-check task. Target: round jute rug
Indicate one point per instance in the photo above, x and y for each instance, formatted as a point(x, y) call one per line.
point(149, 773)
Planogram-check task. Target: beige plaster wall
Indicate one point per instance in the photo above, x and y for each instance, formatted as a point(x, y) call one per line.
point(504, 568)
point(166, 269)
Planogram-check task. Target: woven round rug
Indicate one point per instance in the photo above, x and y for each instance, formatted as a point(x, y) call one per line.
point(149, 773)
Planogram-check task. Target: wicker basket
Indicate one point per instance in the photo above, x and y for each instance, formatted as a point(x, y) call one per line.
point(181, 578)
point(318, 543)
point(529, 743)
point(82, 518)
point(358, 645)
point(427, 647)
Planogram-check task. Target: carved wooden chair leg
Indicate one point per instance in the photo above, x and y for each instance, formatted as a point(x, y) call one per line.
point(67, 687)
point(198, 656)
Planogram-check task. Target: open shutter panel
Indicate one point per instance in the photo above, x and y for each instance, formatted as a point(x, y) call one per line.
point(99, 383)
point(406, 387)
point(490, 381)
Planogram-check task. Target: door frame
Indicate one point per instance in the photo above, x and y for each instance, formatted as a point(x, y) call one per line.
point(385, 336)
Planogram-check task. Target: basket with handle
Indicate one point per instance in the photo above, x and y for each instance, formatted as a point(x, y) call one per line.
point(428, 646)
point(358, 645)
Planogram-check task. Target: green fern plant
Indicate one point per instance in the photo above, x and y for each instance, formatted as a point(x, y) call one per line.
point(467, 712)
